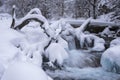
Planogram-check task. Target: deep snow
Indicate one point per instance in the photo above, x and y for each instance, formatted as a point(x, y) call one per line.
point(29, 39)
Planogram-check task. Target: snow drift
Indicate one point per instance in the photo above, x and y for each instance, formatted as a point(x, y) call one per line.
point(24, 71)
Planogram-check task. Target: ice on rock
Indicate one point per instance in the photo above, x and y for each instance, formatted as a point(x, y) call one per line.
point(110, 60)
point(115, 42)
point(99, 44)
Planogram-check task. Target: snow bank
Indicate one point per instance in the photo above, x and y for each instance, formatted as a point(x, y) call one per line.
point(24, 71)
point(110, 60)
point(7, 49)
point(115, 42)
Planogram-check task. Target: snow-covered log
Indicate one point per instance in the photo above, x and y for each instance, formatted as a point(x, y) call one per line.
point(87, 39)
point(36, 15)
point(79, 32)
point(110, 60)
point(93, 23)
point(35, 11)
point(24, 21)
point(64, 30)
point(84, 25)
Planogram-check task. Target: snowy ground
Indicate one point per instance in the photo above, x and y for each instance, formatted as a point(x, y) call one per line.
point(8, 51)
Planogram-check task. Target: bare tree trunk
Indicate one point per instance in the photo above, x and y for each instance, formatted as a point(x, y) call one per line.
point(13, 17)
point(94, 9)
point(62, 8)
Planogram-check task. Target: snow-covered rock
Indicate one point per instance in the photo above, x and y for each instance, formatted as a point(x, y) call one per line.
point(55, 52)
point(99, 44)
point(115, 42)
point(24, 71)
point(110, 60)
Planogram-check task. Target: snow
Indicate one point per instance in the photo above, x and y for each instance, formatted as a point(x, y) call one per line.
point(28, 39)
point(6, 41)
point(24, 71)
point(101, 21)
point(99, 44)
point(110, 60)
point(105, 17)
point(35, 10)
point(68, 35)
point(21, 52)
point(55, 52)
point(33, 42)
point(62, 42)
point(115, 42)
point(40, 17)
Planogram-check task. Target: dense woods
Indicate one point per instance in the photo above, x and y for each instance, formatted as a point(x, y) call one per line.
point(55, 9)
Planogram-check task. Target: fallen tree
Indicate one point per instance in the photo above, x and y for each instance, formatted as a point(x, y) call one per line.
point(89, 40)
point(93, 23)
point(79, 32)
point(34, 14)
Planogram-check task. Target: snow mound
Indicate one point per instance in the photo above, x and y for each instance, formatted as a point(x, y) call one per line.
point(115, 42)
point(55, 52)
point(99, 44)
point(8, 50)
point(24, 71)
point(110, 60)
